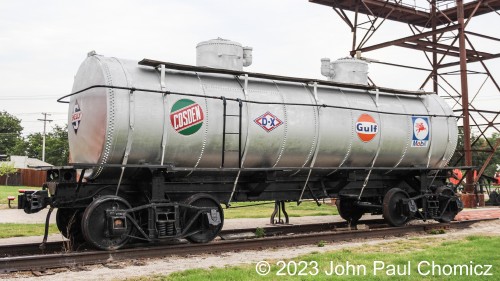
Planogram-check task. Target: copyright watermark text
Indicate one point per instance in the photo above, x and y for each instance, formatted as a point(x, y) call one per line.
point(422, 268)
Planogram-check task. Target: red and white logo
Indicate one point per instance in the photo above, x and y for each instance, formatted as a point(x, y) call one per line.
point(76, 117)
point(188, 118)
point(366, 128)
point(268, 121)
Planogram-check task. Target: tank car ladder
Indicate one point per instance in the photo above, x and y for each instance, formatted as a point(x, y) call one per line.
point(224, 133)
point(241, 156)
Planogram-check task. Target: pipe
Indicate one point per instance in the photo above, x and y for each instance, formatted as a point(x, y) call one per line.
point(247, 56)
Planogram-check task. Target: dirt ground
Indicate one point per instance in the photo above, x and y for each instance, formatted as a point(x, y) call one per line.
point(122, 270)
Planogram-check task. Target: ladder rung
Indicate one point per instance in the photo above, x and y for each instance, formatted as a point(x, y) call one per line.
point(232, 115)
point(231, 133)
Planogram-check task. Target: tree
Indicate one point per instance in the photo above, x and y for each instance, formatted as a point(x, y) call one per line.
point(56, 146)
point(10, 132)
point(486, 144)
point(7, 169)
point(12, 142)
point(34, 145)
point(480, 147)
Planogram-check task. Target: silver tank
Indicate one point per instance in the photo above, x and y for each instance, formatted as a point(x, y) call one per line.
point(111, 126)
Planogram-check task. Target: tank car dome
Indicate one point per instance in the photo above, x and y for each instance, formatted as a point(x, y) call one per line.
point(345, 70)
point(224, 54)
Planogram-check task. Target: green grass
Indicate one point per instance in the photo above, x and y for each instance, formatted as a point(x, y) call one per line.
point(306, 208)
point(260, 232)
point(21, 230)
point(11, 191)
point(17, 229)
point(480, 250)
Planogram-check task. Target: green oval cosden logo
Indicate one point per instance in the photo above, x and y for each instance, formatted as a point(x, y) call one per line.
point(186, 117)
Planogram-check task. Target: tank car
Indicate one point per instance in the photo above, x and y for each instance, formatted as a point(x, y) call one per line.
point(156, 147)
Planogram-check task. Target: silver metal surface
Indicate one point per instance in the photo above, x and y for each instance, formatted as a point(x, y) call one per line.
point(223, 53)
point(345, 70)
point(116, 126)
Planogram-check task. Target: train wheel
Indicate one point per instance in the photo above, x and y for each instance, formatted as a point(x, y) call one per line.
point(445, 195)
point(69, 223)
point(347, 210)
point(392, 210)
point(207, 231)
point(104, 224)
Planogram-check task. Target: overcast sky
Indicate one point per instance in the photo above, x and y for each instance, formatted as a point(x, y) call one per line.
point(42, 43)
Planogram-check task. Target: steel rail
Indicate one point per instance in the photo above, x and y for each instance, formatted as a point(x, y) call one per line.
point(44, 262)
point(58, 247)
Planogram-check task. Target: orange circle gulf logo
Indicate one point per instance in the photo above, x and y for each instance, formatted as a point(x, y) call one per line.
point(366, 128)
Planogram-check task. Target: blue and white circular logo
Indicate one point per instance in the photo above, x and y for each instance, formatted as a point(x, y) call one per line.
point(421, 128)
point(421, 131)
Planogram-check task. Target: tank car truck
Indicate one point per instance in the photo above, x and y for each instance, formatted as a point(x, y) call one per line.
point(157, 147)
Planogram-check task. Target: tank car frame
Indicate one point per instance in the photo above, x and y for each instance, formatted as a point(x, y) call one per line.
point(159, 202)
point(165, 201)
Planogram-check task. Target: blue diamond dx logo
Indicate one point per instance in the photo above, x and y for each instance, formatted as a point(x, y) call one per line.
point(268, 121)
